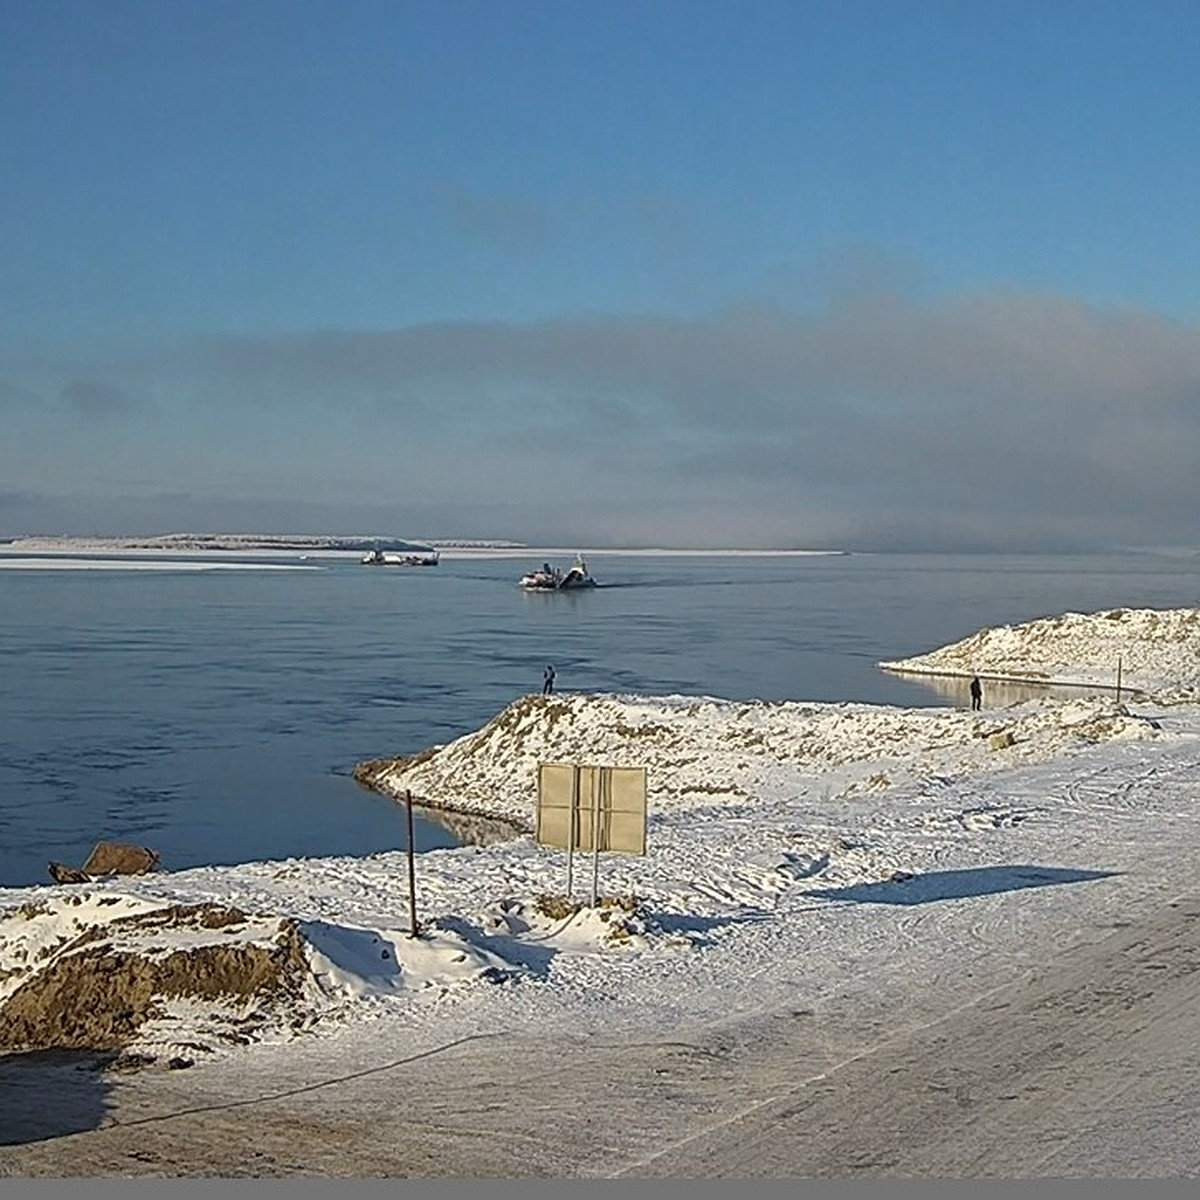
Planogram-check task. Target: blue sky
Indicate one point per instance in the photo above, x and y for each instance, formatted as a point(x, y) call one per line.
point(783, 274)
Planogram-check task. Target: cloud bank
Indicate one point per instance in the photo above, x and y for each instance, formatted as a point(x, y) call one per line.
point(987, 422)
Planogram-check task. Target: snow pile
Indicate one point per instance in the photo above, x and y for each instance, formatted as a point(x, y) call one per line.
point(1158, 651)
point(700, 750)
point(87, 969)
point(108, 970)
point(355, 963)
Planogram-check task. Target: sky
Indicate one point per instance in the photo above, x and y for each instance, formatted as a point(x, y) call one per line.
point(799, 858)
point(853, 275)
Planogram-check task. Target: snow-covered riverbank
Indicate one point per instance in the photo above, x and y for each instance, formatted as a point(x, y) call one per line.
point(791, 846)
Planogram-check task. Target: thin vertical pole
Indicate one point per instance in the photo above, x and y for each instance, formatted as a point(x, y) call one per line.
point(571, 832)
point(605, 773)
point(1118, 679)
point(412, 870)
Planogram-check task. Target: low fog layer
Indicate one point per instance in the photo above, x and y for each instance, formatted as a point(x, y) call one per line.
point(995, 422)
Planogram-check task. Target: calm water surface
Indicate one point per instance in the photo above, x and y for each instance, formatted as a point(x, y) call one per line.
point(216, 715)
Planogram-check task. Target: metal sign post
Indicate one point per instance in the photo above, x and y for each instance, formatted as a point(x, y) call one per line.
point(572, 817)
point(412, 870)
point(599, 795)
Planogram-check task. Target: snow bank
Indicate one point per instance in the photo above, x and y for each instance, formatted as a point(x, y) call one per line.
point(105, 970)
point(1158, 651)
point(701, 751)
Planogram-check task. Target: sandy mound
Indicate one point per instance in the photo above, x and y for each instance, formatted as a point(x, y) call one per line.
point(97, 989)
point(102, 970)
point(107, 858)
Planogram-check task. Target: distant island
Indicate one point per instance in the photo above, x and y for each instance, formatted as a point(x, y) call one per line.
point(226, 542)
point(306, 544)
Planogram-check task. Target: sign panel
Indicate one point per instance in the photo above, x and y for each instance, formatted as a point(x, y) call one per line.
point(591, 808)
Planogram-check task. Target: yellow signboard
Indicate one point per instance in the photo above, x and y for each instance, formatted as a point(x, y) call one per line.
point(592, 808)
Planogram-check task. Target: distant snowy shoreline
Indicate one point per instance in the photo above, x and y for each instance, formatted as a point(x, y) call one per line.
point(316, 546)
point(256, 543)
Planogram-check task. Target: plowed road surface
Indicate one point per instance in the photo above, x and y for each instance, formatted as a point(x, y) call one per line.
point(1085, 1066)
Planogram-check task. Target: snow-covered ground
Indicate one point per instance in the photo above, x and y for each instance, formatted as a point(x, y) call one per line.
point(1152, 650)
point(795, 851)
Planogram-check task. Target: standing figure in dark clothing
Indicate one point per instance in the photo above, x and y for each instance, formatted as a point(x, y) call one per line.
point(547, 681)
point(976, 693)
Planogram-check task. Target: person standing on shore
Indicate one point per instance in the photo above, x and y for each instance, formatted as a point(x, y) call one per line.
point(548, 680)
point(976, 693)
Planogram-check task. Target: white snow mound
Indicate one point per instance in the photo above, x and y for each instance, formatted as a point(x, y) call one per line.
point(1156, 650)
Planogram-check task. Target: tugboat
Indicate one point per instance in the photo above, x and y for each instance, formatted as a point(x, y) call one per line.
point(554, 579)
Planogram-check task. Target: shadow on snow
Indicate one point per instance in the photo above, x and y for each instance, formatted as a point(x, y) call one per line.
point(700, 930)
point(956, 885)
point(521, 952)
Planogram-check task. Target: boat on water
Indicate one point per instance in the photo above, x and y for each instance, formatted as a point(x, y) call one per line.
point(553, 579)
point(378, 558)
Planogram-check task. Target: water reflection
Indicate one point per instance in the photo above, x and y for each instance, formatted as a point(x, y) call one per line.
point(469, 829)
point(999, 693)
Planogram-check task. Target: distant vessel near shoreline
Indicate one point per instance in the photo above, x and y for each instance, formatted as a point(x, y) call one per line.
point(377, 558)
